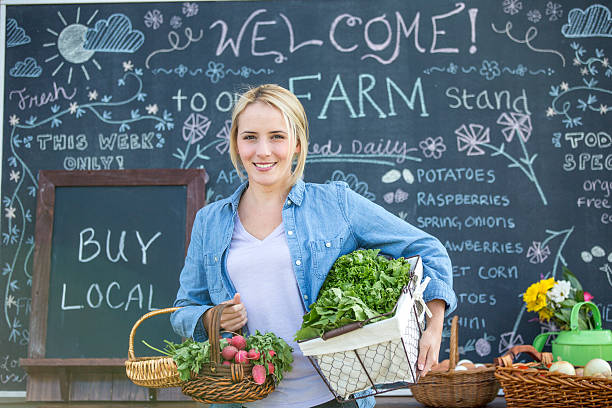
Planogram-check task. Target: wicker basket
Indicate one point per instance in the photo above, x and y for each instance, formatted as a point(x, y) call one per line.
point(472, 388)
point(538, 388)
point(152, 372)
point(217, 383)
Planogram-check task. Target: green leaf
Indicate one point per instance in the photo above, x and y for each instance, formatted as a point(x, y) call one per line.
point(568, 275)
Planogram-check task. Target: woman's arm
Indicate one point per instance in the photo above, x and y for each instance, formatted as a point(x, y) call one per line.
point(193, 296)
point(429, 346)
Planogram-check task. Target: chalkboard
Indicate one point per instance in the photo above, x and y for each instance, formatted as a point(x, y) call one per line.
point(485, 123)
point(109, 247)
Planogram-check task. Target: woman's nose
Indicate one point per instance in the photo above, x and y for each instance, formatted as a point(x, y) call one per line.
point(263, 149)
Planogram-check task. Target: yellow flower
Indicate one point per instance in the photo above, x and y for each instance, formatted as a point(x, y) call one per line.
point(545, 314)
point(535, 295)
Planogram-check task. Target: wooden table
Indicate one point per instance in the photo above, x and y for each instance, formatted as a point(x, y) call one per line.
point(381, 402)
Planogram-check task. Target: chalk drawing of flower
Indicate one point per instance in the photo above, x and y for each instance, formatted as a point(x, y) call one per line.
point(490, 70)
point(10, 212)
point(224, 135)
point(176, 22)
point(554, 11)
point(470, 137)
point(534, 16)
point(153, 18)
point(512, 6)
point(195, 127)
point(14, 176)
point(516, 124)
point(433, 147)
point(181, 70)
point(190, 9)
point(13, 120)
point(521, 70)
point(215, 71)
point(536, 253)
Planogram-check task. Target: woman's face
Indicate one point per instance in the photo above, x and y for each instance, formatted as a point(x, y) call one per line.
point(264, 146)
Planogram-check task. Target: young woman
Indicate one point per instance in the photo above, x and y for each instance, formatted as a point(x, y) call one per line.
point(267, 249)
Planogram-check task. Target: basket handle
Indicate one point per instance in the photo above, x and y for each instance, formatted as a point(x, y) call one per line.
point(454, 344)
point(507, 359)
point(213, 329)
point(142, 319)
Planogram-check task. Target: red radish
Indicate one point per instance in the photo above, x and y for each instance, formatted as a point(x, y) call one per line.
point(227, 362)
point(239, 342)
point(241, 357)
point(228, 352)
point(271, 368)
point(271, 353)
point(253, 354)
point(259, 374)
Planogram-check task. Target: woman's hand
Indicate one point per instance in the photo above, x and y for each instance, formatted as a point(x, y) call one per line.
point(233, 317)
point(429, 346)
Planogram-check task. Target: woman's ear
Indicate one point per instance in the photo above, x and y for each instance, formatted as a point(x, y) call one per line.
point(298, 146)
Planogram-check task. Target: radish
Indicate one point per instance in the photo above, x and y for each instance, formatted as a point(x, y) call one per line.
point(271, 353)
point(270, 368)
point(228, 352)
point(259, 374)
point(227, 362)
point(241, 357)
point(239, 342)
point(253, 354)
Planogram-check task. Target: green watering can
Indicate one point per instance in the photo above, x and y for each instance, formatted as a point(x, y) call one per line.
point(579, 346)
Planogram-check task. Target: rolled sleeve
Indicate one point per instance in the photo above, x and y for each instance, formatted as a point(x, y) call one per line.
point(438, 289)
point(193, 297)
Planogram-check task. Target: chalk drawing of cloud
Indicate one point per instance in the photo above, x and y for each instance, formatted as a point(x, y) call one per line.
point(595, 21)
point(113, 35)
point(28, 68)
point(15, 35)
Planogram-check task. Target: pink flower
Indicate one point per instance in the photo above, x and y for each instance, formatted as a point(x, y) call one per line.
point(588, 297)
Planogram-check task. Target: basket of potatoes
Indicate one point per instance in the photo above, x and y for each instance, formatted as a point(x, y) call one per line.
point(548, 383)
point(454, 383)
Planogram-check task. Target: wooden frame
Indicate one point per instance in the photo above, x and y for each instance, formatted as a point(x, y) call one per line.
point(36, 364)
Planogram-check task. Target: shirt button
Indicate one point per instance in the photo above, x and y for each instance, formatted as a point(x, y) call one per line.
point(306, 297)
point(290, 232)
point(298, 262)
point(328, 244)
point(216, 259)
point(288, 202)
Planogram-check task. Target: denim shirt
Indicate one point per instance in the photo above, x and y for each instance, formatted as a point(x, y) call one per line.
point(322, 222)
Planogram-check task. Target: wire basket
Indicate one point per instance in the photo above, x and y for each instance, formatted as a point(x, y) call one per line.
point(527, 387)
point(359, 356)
point(217, 383)
point(152, 372)
point(471, 388)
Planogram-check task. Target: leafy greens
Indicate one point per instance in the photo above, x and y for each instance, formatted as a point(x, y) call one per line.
point(360, 285)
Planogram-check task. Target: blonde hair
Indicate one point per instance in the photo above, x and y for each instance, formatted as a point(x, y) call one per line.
point(295, 119)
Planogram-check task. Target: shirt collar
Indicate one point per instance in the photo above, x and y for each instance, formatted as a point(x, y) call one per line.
point(296, 195)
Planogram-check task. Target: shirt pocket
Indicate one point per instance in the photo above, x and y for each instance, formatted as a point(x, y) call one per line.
point(324, 253)
point(212, 265)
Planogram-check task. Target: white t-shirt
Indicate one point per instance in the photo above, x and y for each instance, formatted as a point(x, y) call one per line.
point(262, 273)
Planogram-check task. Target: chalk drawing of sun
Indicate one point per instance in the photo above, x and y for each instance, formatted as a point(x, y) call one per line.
point(70, 45)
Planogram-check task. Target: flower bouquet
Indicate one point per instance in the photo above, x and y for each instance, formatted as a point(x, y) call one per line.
point(554, 300)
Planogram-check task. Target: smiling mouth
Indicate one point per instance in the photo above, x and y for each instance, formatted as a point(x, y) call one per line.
point(263, 165)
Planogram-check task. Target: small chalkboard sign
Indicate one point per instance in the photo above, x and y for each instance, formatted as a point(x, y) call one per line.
point(109, 248)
